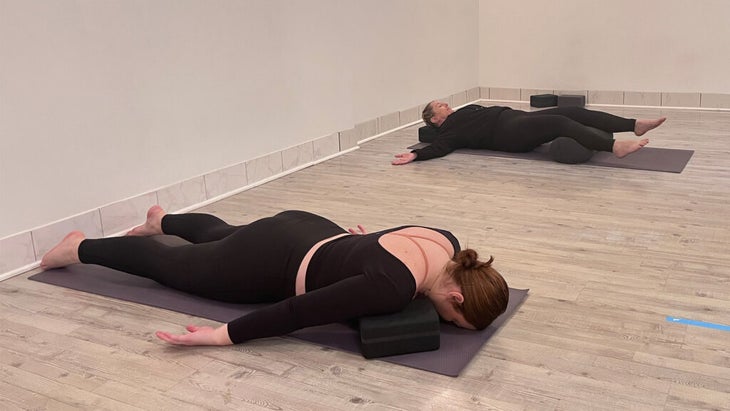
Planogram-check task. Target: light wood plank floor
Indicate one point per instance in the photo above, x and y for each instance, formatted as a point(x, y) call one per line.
point(607, 253)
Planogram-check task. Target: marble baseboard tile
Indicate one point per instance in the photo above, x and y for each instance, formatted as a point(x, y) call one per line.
point(125, 214)
point(366, 129)
point(714, 100)
point(297, 156)
point(388, 122)
point(225, 180)
point(525, 93)
point(264, 167)
point(458, 99)
point(410, 115)
point(16, 251)
point(473, 94)
point(182, 195)
point(681, 99)
point(605, 97)
point(508, 94)
point(326, 146)
point(47, 237)
point(348, 139)
point(640, 98)
point(484, 93)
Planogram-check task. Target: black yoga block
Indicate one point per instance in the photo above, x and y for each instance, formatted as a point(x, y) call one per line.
point(544, 100)
point(567, 100)
point(427, 134)
point(415, 329)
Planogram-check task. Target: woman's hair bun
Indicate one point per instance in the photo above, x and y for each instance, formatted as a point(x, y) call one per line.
point(469, 259)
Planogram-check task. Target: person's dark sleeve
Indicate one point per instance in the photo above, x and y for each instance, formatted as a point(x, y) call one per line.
point(443, 144)
point(351, 298)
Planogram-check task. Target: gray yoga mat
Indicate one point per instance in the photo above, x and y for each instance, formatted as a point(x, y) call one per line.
point(458, 346)
point(648, 158)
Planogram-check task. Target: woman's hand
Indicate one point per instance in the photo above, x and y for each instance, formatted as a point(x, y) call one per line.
point(403, 158)
point(360, 230)
point(198, 336)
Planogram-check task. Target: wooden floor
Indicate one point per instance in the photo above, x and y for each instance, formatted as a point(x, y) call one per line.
point(607, 254)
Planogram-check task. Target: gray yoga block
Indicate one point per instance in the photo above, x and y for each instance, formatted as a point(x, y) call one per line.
point(543, 100)
point(568, 100)
point(417, 328)
point(427, 134)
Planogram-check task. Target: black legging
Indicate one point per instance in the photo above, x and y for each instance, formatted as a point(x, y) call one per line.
point(253, 263)
point(520, 131)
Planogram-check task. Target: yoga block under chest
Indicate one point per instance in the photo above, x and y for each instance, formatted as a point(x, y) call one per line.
point(544, 100)
point(427, 134)
point(417, 328)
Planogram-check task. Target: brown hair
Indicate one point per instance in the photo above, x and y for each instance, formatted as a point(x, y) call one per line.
point(427, 114)
point(485, 292)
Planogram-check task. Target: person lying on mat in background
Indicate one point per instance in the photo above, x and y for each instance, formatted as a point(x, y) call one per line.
point(505, 129)
point(314, 271)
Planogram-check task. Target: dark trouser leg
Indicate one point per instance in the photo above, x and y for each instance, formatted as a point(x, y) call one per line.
point(197, 228)
point(246, 267)
point(591, 118)
point(520, 131)
point(254, 263)
point(185, 268)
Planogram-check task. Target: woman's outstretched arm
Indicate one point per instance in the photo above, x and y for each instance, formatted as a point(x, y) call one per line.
point(344, 300)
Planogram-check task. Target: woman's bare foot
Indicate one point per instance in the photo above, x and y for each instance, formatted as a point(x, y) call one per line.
point(622, 148)
point(153, 225)
point(642, 126)
point(64, 253)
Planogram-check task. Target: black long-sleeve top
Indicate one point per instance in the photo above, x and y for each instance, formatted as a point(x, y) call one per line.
point(468, 127)
point(347, 278)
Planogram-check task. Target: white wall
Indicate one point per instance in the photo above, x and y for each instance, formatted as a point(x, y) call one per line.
point(100, 101)
point(419, 48)
point(627, 45)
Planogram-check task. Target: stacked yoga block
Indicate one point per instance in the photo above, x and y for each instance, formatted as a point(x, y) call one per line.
point(568, 100)
point(552, 100)
point(543, 100)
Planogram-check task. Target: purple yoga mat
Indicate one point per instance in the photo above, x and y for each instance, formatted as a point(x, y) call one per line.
point(458, 346)
point(648, 158)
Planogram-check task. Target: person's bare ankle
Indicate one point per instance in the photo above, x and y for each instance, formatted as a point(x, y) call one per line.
point(622, 148)
point(153, 224)
point(645, 125)
point(65, 252)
